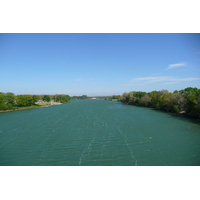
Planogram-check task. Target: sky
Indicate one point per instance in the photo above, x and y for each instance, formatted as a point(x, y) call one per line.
point(98, 64)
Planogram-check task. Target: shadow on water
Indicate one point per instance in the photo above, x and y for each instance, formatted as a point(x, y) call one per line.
point(171, 114)
point(179, 116)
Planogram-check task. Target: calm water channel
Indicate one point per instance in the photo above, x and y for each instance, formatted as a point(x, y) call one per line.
point(103, 133)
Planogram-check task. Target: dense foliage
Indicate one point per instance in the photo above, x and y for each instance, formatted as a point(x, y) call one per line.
point(80, 97)
point(9, 101)
point(61, 98)
point(46, 98)
point(115, 97)
point(184, 101)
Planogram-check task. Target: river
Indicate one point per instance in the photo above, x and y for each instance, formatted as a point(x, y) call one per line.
point(97, 133)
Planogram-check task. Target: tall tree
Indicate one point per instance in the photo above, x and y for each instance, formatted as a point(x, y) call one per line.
point(46, 98)
point(2, 98)
point(9, 98)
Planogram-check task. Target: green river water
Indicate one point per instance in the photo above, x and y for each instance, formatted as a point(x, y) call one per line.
point(97, 133)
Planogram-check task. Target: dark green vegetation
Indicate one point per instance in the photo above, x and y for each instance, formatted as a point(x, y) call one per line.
point(9, 101)
point(80, 97)
point(185, 101)
point(115, 97)
point(61, 98)
point(46, 98)
point(110, 98)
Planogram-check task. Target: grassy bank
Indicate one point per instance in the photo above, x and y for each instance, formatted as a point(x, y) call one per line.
point(26, 107)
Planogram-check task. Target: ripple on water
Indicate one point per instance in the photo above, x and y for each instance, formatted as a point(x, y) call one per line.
point(102, 133)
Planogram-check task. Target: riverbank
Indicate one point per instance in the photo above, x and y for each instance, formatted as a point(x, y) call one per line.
point(185, 101)
point(33, 106)
point(28, 107)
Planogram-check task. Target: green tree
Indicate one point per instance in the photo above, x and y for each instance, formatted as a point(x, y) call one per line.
point(64, 98)
point(124, 98)
point(56, 98)
point(116, 97)
point(166, 102)
point(137, 97)
point(146, 100)
point(35, 98)
point(46, 98)
point(2, 98)
point(26, 100)
point(192, 104)
point(155, 99)
point(22, 100)
point(9, 98)
point(179, 102)
point(84, 97)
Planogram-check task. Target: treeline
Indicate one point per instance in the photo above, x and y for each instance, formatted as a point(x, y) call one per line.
point(97, 97)
point(80, 97)
point(115, 97)
point(61, 98)
point(185, 101)
point(9, 101)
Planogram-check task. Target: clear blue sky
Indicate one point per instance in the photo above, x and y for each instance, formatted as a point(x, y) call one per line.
point(98, 64)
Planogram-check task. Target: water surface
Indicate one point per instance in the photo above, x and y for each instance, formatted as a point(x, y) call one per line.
point(92, 133)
